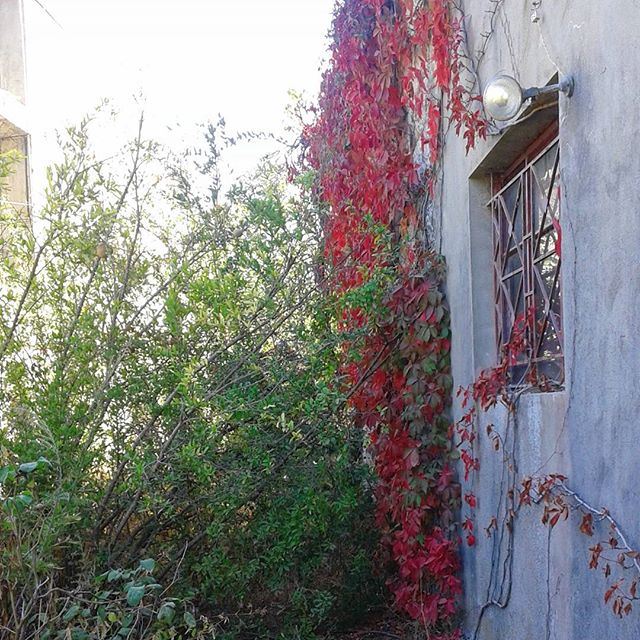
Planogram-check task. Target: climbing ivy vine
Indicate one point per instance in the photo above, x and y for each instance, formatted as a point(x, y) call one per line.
point(395, 64)
point(397, 68)
point(612, 553)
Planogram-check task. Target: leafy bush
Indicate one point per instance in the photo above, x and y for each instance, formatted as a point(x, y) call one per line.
point(175, 461)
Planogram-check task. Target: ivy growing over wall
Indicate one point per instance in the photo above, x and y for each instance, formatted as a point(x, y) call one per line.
point(395, 63)
point(612, 554)
point(397, 68)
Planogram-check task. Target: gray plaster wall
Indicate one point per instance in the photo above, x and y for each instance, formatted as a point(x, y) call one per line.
point(12, 54)
point(589, 432)
point(13, 118)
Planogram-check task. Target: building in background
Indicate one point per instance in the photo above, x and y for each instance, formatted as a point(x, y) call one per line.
point(14, 131)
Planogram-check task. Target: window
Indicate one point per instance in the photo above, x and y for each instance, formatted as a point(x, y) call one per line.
point(525, 209)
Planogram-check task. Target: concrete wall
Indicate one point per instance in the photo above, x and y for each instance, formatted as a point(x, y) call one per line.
point(12, 54)
point(590, 432)
point(13, 115)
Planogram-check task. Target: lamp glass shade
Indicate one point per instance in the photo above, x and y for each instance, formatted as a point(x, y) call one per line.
point(502, 97)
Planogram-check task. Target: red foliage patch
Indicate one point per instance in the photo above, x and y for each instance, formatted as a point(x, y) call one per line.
point(392, 59)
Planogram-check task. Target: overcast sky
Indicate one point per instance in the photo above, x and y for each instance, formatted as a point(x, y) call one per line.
point(192, 59)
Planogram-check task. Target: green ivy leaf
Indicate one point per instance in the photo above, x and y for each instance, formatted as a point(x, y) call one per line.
point(71, 613)
point(189, 620)
point(6, 473)
point(114, 574)
point(27, 467)
point(24, 500)
point(148, 565)
point(135, 595)
point(167, 611)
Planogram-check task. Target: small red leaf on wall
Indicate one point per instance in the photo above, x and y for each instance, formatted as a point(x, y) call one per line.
point(558, 242)
point(586, 526)
point(609, 592)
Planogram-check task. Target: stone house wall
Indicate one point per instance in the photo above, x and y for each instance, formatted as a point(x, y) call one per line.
point(590, 430)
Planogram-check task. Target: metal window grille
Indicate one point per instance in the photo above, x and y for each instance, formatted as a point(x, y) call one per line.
point(525, 209)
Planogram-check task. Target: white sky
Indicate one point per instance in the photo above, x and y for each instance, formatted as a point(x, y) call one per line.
point(192, 59)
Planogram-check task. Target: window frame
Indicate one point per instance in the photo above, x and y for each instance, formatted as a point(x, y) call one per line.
point(520, 249)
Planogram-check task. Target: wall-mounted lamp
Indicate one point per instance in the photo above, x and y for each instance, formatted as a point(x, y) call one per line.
point(503, 96)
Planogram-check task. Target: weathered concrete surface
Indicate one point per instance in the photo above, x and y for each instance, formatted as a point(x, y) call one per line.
point(12, 55)
point(591, 431)
point(13, 115)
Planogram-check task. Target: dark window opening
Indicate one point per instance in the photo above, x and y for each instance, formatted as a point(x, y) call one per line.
point(525, 209)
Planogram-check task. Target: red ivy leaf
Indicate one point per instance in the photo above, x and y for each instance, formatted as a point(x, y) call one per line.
point(609, 592)
point(558, 241)
point(586, 526)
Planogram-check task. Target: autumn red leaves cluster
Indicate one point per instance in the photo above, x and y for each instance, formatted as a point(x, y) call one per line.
point(393, 88)
point(395, 69)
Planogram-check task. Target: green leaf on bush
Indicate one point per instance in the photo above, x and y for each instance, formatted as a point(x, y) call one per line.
point(71, 613)
point(20, 502)
point(256, 258)
point(5, 472)
point(167, 611)
point(30, 467)
point(135, 595)
point(148, 565)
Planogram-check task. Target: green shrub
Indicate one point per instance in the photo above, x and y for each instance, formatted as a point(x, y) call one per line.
point(175, 461)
